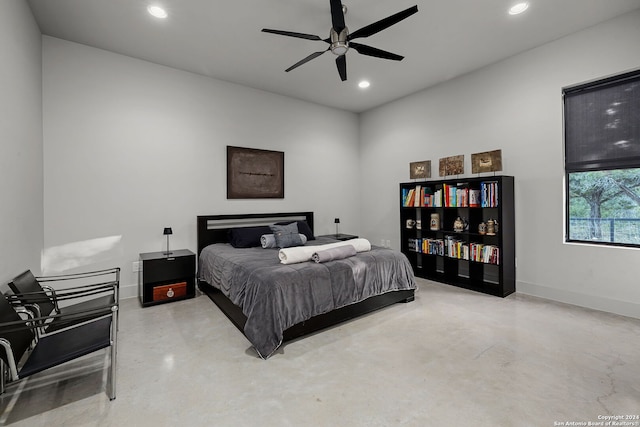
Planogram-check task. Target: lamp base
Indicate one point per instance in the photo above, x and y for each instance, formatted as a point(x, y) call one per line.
point(167, 252)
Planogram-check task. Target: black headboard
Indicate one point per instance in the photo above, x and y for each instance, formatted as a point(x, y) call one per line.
point(214, 228)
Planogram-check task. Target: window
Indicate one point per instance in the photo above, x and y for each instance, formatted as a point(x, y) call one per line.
point(602, 161)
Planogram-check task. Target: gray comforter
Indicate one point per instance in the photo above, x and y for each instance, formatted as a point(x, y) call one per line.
point(275, 297)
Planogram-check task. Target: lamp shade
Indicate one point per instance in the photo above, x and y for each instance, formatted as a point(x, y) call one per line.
point(167, 231)
point(337, 220)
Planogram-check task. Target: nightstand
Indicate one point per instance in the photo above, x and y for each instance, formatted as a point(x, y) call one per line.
point(340, 236)
point(165, 278)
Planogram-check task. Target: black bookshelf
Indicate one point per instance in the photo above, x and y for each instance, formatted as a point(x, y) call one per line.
point(464, 257)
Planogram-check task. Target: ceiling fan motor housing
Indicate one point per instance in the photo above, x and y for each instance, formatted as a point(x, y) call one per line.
point(339, 42)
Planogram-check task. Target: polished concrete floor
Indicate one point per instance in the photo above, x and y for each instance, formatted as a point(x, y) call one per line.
point(450, 358)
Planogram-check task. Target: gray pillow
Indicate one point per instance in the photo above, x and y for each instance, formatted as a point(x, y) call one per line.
point(286, 235)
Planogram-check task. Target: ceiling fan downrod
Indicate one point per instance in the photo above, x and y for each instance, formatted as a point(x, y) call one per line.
point(339, 41)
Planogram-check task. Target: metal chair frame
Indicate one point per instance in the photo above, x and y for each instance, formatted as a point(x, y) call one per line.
point(27, 350)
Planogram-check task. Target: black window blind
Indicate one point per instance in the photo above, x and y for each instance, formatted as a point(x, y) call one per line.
point(602, 124)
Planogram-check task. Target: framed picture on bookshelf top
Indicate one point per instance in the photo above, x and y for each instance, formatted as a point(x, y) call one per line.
point(418, 170)
point(489, 161)
point(453, 165)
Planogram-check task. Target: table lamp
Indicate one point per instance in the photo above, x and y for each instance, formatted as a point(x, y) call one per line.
point(167, 232)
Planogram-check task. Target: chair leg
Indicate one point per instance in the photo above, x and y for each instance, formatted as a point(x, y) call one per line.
point(112, 373)
point(3, 376)
point(114, 353)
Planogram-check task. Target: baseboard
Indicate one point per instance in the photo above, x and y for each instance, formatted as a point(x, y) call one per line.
point(129, 291)
point(623, 308)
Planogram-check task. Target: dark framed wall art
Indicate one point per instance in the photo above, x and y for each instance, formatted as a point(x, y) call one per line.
point(254, 174)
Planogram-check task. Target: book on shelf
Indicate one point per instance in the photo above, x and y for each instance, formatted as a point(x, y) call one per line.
point(422, 196)
point(456, 248)
point(437, 199)
point(433, 246)
point(487, 254)
point(445, 192)
point(451, 196)
point(418, 196)
point(462, 197)
point(489, 194)
point(408, 198)
point(455, 195)
point(427, 197)
point(474, 198)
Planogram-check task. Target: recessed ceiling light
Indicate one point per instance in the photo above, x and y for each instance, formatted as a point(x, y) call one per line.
point(518, 8)
point(157, 11)
point(364, 84)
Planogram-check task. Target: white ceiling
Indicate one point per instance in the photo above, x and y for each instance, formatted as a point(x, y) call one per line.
point(445, 39)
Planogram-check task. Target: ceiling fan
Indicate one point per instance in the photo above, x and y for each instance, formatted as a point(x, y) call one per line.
point(340, 39)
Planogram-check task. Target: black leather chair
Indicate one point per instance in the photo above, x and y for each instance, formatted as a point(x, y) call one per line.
point(97, 289)
point(24, 352)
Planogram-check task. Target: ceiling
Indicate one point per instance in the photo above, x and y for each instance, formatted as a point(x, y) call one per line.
point(445, 39)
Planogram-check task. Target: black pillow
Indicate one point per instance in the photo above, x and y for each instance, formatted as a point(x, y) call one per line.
point(303, 228)
point(247, 237)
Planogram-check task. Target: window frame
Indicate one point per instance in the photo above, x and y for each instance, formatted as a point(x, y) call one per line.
point(598, 164)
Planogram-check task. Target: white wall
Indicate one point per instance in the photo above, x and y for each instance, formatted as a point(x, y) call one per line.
point(21, 229)
point(131, 147)
point(516, 106)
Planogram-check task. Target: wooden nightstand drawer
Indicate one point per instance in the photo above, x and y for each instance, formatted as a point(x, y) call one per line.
point(170, 291)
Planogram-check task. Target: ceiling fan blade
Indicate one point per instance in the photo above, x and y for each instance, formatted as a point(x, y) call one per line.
point(305, 60)
point(341, 62)
point(372, 51)
point(383, 23)
point(337, 15)
point(292, 34)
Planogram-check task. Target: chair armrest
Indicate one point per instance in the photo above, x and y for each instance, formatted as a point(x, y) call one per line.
point(88, 274)
point(82, 284)
point(71, 293)
point(34, 323)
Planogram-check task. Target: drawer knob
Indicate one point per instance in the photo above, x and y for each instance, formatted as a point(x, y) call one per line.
point(170, 293)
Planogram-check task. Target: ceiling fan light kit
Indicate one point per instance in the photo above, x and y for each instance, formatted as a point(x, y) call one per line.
point(340, 39)
point(339, 42)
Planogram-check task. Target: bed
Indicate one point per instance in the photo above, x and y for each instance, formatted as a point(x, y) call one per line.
point(271, 302)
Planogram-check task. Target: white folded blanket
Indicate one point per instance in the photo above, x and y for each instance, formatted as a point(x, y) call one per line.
point(341, 252)
point(304, 253)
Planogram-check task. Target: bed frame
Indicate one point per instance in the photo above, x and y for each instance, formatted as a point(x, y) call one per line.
point(213, 229)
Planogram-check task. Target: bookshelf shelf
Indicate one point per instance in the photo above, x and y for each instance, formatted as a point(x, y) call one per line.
point(468, 258)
